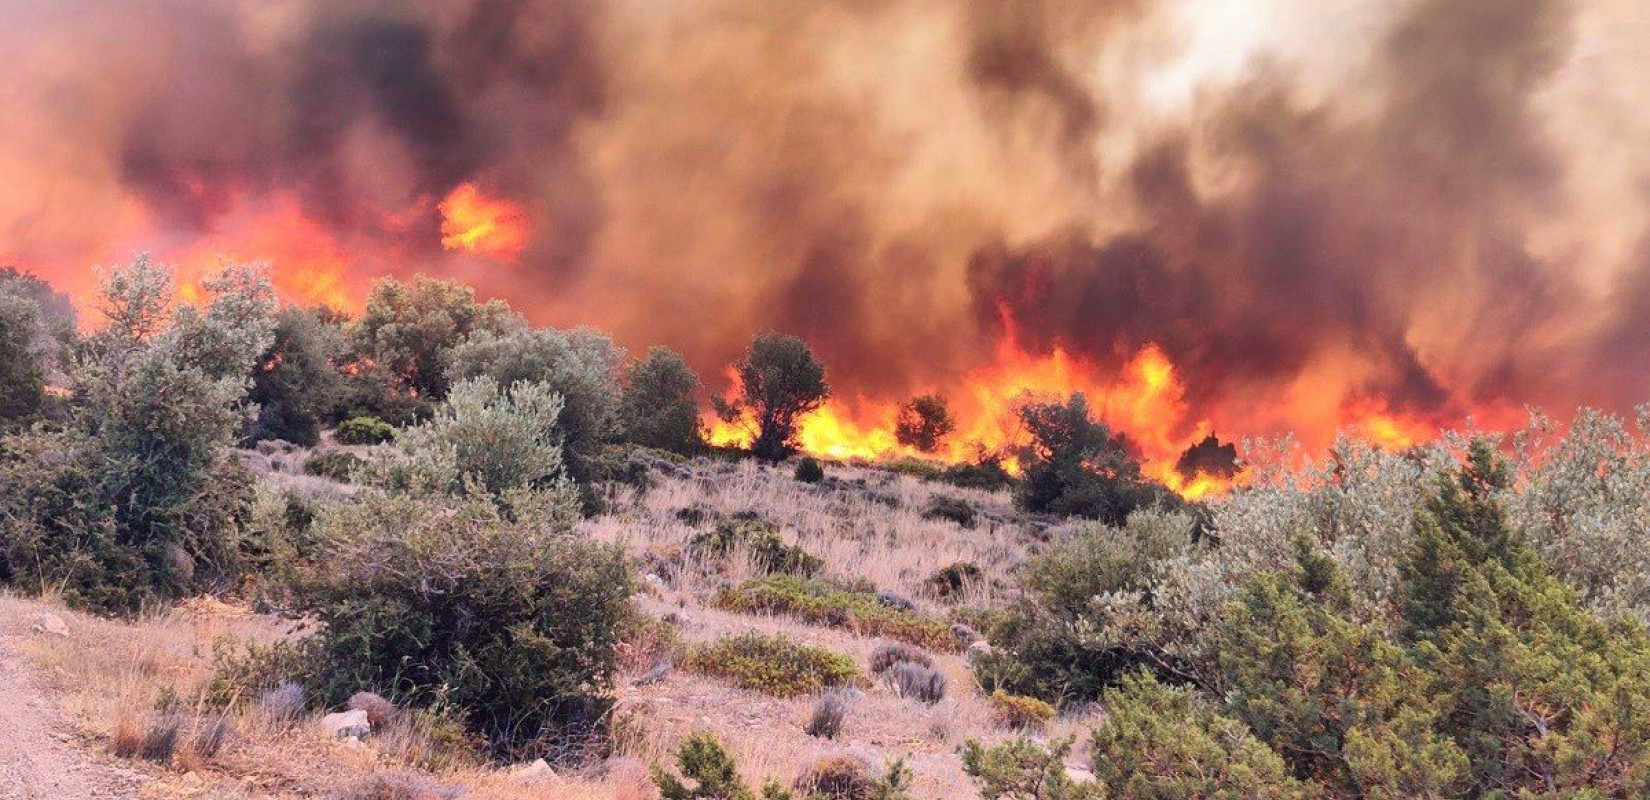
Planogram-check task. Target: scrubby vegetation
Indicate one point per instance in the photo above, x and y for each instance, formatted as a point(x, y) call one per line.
point(1464, 619)
point(822, 602)
point(774, 665)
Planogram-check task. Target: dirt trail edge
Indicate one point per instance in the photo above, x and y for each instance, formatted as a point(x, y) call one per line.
point(37, 759)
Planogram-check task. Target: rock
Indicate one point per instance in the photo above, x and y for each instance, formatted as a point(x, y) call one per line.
point(977, 649)
point(677, 618)
point(894, 601)
point(1078, 774)
point(964, 633)
point(346, 725)
point(536, 771)
point(51, 625)
point(654, 580)
point(379, 710)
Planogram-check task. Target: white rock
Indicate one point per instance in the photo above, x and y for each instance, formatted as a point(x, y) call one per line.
point(535, 771)
point(1079, 774)
point(50, 624)
point(976, 650)
point(346, 725)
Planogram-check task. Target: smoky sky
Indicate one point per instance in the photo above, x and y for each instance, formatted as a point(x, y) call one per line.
point(896, 180)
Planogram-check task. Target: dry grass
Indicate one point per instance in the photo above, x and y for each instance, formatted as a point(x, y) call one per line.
point(126, 685)
point(114, 678)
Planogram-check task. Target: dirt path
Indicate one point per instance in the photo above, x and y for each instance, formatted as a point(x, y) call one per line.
point(38, 760)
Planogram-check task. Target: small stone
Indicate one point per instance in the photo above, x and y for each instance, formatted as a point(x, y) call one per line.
point(536, 771)
point(977, 649)
point(963, 633)
point(51, 625)
point(346, 725)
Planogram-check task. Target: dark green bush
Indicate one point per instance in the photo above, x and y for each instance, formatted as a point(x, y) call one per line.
point(954, 509)
point(774, 665)
point(428, 603)
point(1076, 465)
point(708, 772)
point(820, 602)
point(984, 472)
point(761, 540)
point(364, 430)
point(333, 464)
point(950, 581)
point(809, 470)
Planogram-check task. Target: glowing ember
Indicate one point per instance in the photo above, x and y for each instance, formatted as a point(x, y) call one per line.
point(476, 223)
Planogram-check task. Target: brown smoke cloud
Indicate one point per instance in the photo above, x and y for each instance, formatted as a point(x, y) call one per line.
point(1430, 208)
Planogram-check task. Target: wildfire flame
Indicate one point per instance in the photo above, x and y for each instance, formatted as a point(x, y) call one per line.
point(473, 222)
point(1145, 399)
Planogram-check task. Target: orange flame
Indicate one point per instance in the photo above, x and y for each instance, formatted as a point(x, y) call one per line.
point(476, 223)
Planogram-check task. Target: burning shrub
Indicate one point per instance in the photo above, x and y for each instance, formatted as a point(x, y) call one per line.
point(363, 430)
point(1076, 466)
point(659, 408)
point(294, 383)
point(809, 470)
point(820, 602)
point(779, 381)
point(768, 552)
point(924, 422)
point(773, 665)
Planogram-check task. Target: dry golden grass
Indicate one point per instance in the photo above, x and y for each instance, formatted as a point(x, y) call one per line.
point(114, 677)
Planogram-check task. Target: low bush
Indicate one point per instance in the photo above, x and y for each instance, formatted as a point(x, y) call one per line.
point(954, 509)
point(986, 472)
point(431, 602)
point(820, 602)
point(950, 581)
point(761, 540)
point(915, 682)
point(395, 786)
point(334, 465)
point(890, 653)
point(809, 470)
point(708, 772)
point(1019, 712)
point(830, 711)
point(364, 430)
point(773, 665)
point(1021, 769)
point(847, 778)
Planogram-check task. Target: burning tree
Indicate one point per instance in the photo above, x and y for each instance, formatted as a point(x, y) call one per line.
point(924, 422)
point(779, 381)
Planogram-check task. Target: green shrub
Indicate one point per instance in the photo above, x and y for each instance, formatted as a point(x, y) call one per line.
point(809, 470)
point(774, 665)
point(1076, 465)
point(954, 509)
point(1019, 713)
point(136, 498)
point(335, 465)
point(921, 469)
point(659, 407)
point(708, 773)
point(768, 552)
point(984, 472)
point(364, 430)
point(430, 601)
point(1021, 769)
point(820, 602)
